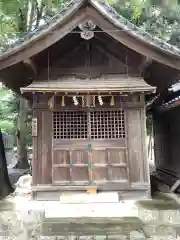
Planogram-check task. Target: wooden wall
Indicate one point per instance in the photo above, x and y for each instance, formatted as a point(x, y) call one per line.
point(173, 118)
point(90, 59)
point(161, 139)
point(167, 139)
point(137, 145)
point(42, 142)
point(135, 141)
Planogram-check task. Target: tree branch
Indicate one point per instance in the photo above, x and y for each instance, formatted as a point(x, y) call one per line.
point(30, 24)
point(39, 12)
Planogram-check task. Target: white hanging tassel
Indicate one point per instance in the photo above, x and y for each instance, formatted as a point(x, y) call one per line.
point(100, 100)
point(75, 100)
point(88, 100)
point(112, 101)
point(62, 102)
point(51, 102)
point(94, 101)
point(82, 101)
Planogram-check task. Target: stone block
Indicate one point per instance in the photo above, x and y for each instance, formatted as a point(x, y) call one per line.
point(106, 197)
point(137, 235)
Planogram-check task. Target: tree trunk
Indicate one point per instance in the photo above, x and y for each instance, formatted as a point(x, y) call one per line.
point(22, 162)
point(5, 185)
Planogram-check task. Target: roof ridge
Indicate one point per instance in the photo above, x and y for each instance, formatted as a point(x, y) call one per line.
point(72, 4)
point(112, 15)
point(134, 28)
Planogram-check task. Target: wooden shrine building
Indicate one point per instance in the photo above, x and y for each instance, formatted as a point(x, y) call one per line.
point(166, 117)
point(88, 74)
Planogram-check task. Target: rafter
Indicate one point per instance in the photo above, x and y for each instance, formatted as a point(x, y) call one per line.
point(116, 50)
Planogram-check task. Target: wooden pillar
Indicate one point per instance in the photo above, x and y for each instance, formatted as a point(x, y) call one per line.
point(36, 145)
point(46, 147)
point(42, 141)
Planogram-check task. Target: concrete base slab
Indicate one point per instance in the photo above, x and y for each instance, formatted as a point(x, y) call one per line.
point(57, 210)
point(106, 197)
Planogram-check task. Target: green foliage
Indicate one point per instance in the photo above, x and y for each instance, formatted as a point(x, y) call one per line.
point(18, 17)
point(7, 126)
point(158, 17)
point(8, 110)
point(9, 113)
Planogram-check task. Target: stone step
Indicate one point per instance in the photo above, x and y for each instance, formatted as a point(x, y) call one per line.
point(90, 226)
point(104, 197)
point(106, 210)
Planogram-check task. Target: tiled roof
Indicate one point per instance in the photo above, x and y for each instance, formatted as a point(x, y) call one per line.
point(175, 100)
point(175, 87)
point(105, 9)
point(171, 104)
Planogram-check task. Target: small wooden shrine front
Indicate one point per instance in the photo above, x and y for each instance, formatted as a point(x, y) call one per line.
point(88, 135)
point(89, 117)
point(84, 75)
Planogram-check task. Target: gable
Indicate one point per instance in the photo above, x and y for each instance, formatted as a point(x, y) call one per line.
point(90, 60)
point(105, 19)
point(103, 16)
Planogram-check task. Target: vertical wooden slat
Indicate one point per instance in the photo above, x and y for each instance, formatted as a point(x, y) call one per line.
point(46, 147)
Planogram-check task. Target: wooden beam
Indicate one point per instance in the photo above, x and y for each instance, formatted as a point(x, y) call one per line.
point(37, 44)
point(109, 54)
point(32, 65)
point(83, 72)
point(146, 61)
point(117, 50)
point(141, 46)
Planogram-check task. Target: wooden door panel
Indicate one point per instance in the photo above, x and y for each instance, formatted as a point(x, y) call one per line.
point(99, 157)
point(61, 157)
point(61, 174)
point(117, 173)
point(116, 156)
point(80, 174)
point(70, 165)
point(100, 165)
point(100, 174)
point(79, 157)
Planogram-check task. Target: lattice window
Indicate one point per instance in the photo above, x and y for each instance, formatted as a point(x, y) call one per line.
point(70, 125)
point(107, 124)
point(96, 124)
